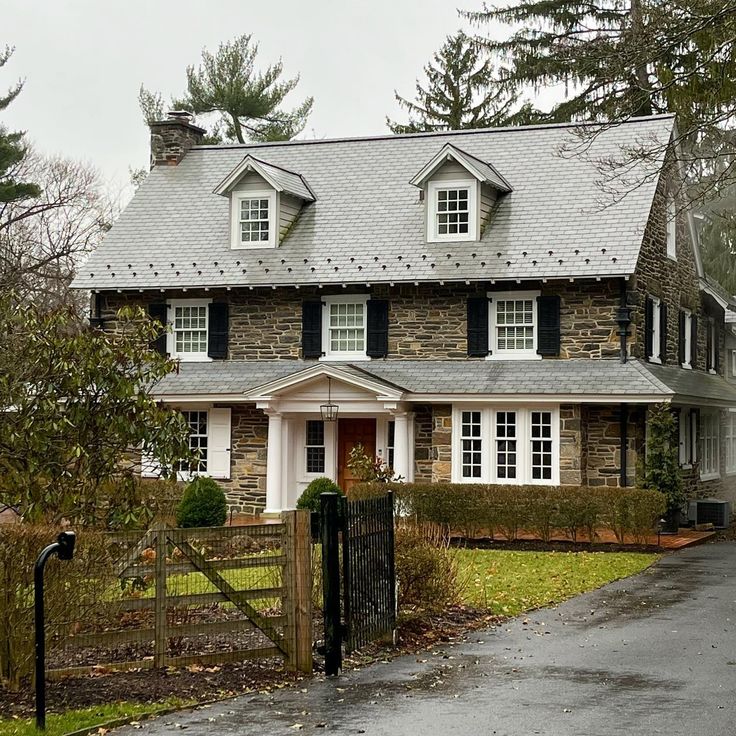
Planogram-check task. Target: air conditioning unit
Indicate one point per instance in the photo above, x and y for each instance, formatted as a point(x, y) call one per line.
point(710, 511)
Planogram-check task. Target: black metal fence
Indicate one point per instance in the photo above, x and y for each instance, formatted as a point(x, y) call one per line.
point(359, 589)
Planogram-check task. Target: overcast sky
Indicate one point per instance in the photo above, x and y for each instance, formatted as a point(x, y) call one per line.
point(84, 60)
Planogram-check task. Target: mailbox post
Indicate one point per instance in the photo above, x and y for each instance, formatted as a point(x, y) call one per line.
point(63, 548)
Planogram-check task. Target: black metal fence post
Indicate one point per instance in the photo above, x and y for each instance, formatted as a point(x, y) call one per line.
point(63, 547)
point(330, 531)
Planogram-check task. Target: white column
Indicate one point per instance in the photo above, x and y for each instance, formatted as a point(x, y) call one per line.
point(401, 444)
point(274, 464)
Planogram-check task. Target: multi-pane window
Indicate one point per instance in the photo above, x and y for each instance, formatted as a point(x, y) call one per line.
point(731, 442)
point(346, 327)
point(709, 439)
point(471, 445)
point(190, 329)
point(688, 436)
point(453, 211)
point(390, 440)
point(315, 444)
point(514, 324)
point(506, 449)
point(255, 223)
point(198, 440)
point(541, 426)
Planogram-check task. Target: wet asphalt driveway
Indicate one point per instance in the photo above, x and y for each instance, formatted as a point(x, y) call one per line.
point(653, 654)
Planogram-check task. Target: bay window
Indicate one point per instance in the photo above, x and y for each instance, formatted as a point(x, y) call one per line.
point(506, 445)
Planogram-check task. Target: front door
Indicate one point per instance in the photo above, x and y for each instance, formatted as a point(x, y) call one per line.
point(352, 432)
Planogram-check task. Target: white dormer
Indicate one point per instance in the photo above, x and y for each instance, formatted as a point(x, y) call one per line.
point(264, 202)
point(459, 191)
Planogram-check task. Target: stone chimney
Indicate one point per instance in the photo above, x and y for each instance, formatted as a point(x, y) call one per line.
point(173, 137)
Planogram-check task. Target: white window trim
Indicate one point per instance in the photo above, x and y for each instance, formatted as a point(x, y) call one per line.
point(327, 354)
point(711, 327)
point(172, 304)
point(314, 474)
point(731, 437)
point(733, 363)
point(273, 218)
point(488, 444)
point(656, 357)
point(705, 473)
point(688, 438)
point(688, 339)
point(499, 296)
point(472, 185)
point(671, 214)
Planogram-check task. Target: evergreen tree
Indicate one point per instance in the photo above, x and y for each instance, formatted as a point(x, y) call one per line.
point(12, 151)
point(462, 92)
point(248, 101)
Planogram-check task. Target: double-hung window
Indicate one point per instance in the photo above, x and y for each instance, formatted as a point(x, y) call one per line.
point(452, 212)
point(198, 443)
point(731, 442)
point(711, 345)
point(189, 320)
point(507, 445)
point(315, 446)
point(513, 322)
point(686, 338)
point(709, 445)
point(688, 437)
point(254, 219)
point(344, 328)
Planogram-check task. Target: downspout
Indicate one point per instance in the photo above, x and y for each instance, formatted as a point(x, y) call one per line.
point(623, 317)
point(624, 418)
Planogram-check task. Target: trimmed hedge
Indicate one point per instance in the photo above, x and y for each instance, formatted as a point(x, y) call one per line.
point(203, 504)
point(310, 498)
point(473, 508)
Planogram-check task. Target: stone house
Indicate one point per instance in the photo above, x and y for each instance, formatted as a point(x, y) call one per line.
point(464, 302)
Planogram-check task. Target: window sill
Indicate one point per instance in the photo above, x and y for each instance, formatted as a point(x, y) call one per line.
point(731, 471)
point(652, 359)
point(343, 357)
point(191, 358)
point(710, 476)
point(686, 366)
point(686, 466)
point(256, 246)
point(514, 356)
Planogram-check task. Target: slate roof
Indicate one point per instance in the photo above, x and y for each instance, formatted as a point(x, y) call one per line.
point(594, 378)
point(283, 180)
point(686, 384)
point(367, 223)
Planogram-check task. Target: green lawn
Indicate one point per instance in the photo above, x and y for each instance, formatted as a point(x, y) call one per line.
point(508, 582)
point(74, 720)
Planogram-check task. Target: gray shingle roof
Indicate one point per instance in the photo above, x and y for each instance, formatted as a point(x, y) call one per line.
point(594, 378)
point(686, 384)
point(367, 222)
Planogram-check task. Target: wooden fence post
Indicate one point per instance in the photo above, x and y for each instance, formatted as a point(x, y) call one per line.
point(160, 633)
point(298, 588)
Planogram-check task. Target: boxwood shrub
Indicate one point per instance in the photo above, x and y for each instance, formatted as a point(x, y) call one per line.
point(472, 509)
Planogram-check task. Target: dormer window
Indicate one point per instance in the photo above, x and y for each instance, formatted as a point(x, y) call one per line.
point(254, 224)
point(453, 210)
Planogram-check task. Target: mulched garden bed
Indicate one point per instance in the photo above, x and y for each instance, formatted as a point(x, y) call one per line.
point(417, 631)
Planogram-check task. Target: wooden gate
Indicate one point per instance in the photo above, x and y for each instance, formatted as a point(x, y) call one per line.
point(174, 597)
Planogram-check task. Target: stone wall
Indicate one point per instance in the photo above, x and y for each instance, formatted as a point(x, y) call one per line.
point(423, 444)
point(441, 443)
point(572, 445)
point(246, 489)
point(601, 450)
point(427, 321)
point(674, 282)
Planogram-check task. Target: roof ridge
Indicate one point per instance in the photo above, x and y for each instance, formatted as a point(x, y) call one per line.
point(427, 134)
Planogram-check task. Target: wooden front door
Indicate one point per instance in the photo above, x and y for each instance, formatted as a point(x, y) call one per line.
point(352, 432)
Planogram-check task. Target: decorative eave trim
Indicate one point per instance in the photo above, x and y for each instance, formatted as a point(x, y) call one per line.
point(249, 163)
point(447, 152)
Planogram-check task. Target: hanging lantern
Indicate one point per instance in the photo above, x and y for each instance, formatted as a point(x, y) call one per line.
point(329, 410)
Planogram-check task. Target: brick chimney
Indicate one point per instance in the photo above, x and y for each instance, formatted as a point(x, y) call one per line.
point(173, 137)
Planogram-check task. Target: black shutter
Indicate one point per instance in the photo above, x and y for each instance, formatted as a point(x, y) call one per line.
point(548, 323)
point(477, 326)
point(708, 345)
point(663, 332)
point(219, 326)
point(312, 329)
point(159, 312)
point(694, 341)
point(377, 328)
point(648, 328)
point(681, 357)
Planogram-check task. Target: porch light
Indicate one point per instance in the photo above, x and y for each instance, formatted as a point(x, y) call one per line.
point(329, 410)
